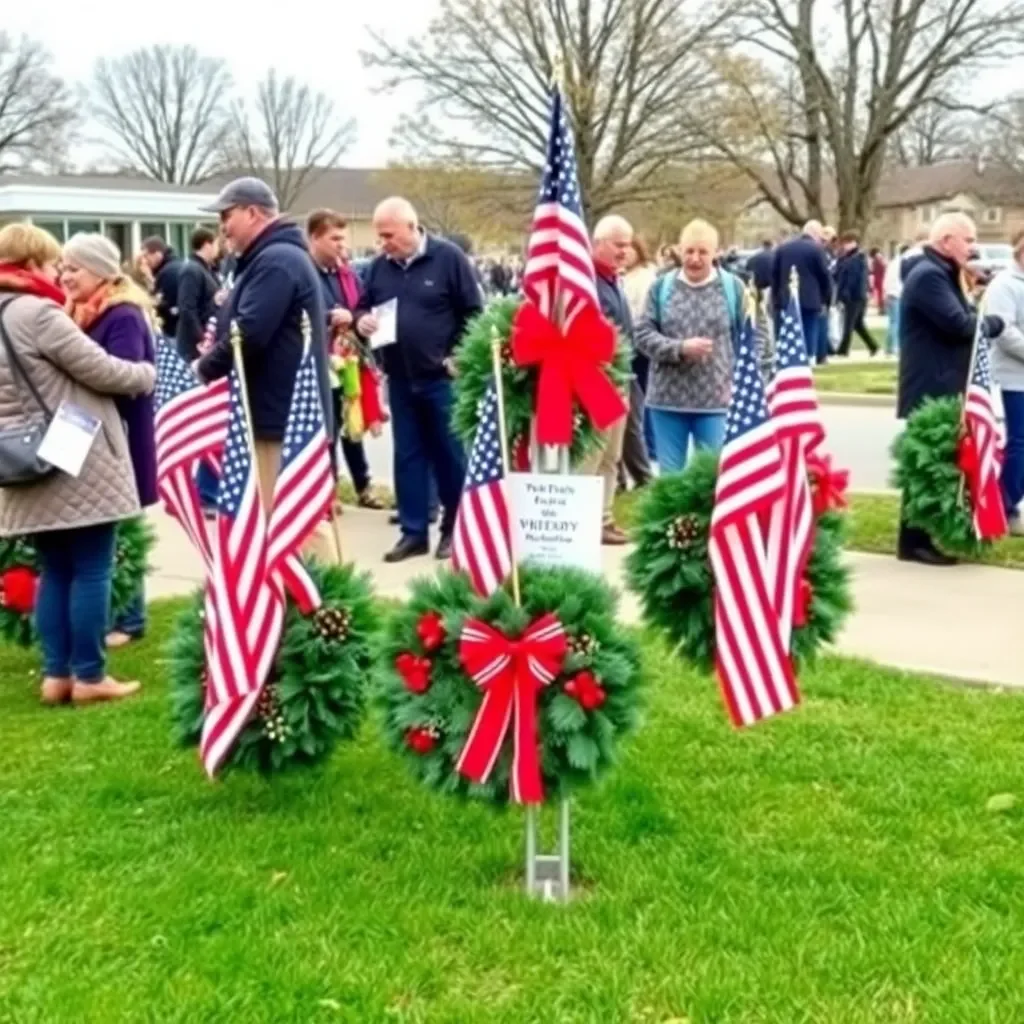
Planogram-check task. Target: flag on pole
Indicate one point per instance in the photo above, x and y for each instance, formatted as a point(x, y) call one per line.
point(482, 543)
point(248, 606)
point(798, 425)
point(981, 453)
point(558, 276)
point(753, 665)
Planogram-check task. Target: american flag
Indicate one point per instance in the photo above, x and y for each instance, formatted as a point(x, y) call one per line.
point(797, 419)
point(481, 544)
point(248, 607)
point(986, 439)
point(305, 485)
point(191, 424)
point(754, 668)
point(559, 273)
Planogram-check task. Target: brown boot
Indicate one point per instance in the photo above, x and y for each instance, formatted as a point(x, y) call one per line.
point(106, 689)
point(612, 535)
point(55, 690)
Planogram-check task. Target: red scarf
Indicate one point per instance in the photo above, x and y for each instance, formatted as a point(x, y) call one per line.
point(349, 284)
point(16, 278)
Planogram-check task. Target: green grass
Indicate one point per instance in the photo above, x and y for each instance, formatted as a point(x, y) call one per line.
point(874, 378)
point(874, 519)
point(837, 866)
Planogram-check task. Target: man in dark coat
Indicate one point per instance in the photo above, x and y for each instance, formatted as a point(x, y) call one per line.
point(852, 292)
point(197, 291)
point(807, 254)
point(166, 270)
point(938, 330)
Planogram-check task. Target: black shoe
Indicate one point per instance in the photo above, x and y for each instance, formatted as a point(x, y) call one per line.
point(393, 519)
point(407, 547)
point(444, 549)
point(927, 556)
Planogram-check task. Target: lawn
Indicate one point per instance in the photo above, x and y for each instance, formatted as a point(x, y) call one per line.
point(875, 378)
point(843, 865)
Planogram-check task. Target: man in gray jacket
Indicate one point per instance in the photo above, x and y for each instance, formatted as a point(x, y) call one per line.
point(1005, 298)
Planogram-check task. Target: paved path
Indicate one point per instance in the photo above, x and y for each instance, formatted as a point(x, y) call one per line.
point(959, 622)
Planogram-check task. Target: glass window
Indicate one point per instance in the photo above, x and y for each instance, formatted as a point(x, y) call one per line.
point(55, 227)
point(180, 235)
point(147, 229)
point(993, 214)
point(76, 227)
point(120, 235)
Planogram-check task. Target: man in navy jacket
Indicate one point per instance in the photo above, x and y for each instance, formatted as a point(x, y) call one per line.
point(852, 292)
point(437, 294)
point(807, 254)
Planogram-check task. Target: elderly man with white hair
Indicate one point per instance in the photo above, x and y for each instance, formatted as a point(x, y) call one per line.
point(937, 331)
point(807, 255)
point(435, 293)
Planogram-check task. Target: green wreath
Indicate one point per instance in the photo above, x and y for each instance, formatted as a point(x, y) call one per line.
point(430, 703)
point(926, 471)
point(670, 572)
point(316, 694)
point(19, 577)
point(475, 370)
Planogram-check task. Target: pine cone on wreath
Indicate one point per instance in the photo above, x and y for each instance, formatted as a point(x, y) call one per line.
point(683, 532)
point(332, 623)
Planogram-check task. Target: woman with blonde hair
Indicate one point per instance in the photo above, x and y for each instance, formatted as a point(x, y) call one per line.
point(117, 314)
point(49, 364)
point(690, 330)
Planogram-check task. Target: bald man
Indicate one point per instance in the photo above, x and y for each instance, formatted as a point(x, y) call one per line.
point(937, 331)
point(437, 294)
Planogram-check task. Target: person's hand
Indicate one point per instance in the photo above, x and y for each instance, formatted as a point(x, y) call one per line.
point(366, 324)
point(219, 296)
point(450, 368)
point(341, 318)
point(697, 348)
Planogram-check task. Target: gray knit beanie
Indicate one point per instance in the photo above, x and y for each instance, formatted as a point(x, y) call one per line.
point(96, 253)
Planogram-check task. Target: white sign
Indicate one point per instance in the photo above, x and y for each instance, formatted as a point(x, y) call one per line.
point(68, 438)
point(386, 315)
point(557, 519)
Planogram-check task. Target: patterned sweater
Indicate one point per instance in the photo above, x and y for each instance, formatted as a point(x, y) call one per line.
point(677, 383)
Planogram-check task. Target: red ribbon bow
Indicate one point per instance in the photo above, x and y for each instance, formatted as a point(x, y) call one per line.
point(18, 587)
point(571, 367)
point(510, 672)
point(828, 485)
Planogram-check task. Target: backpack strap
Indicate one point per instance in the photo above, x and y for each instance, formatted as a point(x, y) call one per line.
point(666, 283)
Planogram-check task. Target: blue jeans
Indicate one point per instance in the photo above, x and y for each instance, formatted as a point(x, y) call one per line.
point(73, 605)
point(892, 338)
point(132, 620)
point(425, 446)
point(208, 484)
point(673, 430)
point(1012, 479)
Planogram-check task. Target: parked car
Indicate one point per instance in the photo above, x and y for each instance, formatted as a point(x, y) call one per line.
point(990, 259)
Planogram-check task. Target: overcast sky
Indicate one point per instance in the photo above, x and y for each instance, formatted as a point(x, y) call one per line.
point(316, 40)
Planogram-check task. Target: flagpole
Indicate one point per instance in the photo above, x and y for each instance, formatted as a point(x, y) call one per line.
point(243, 390)
point(499, 390)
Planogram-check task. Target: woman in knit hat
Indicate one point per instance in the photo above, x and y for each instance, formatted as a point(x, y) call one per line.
point(116, 313)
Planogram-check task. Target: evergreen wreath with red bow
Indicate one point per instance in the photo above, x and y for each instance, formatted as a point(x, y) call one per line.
point(670, 572)
point(566, 397)
point(19, 577)
point(499, 703)
point(316, 694)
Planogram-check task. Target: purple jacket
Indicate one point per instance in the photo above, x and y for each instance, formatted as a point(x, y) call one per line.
point(124, 332)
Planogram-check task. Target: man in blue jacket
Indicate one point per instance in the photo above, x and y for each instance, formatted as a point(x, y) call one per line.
point(436, 293)
point(807, 254)
point(852, 292)
point(275, 284)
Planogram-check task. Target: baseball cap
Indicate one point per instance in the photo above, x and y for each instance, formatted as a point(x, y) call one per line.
point(243, 192)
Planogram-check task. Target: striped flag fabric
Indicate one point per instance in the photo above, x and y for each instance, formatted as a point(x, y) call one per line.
point(984, 438)
point(753, 665)
point(558, 275)
point(482, 542)
point(248, 607)
point(796, 416)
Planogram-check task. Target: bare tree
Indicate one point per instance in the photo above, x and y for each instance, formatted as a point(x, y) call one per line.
point(36, 108)
point(484, 68)
point(934, 133)
point(292, 136)
point(858, 71)
point(164, 108)
point(1000, 135)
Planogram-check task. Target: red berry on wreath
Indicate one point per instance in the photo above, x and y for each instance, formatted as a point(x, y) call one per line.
point(586, 690)
point(18, 587)
point(415, 671)
point(420, 739)
point(804, 598)
point(430, 629)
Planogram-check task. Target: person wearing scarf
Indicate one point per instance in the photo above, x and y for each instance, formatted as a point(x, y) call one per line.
point(71, 518)
point(110, 308)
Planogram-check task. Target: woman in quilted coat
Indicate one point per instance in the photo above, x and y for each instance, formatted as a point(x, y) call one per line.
point(72, 518)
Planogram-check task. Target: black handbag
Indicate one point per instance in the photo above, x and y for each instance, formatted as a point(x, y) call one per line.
point(19, 445)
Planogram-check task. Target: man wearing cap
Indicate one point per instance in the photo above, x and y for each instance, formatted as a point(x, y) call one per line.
point(275, 284)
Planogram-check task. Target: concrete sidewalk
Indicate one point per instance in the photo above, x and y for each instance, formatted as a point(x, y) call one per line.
point(960, 622)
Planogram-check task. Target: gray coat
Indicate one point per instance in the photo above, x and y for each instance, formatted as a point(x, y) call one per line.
point(1004, 298)
point(65, 365)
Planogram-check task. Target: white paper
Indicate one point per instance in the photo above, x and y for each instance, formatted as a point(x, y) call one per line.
point(386, 315)
point(69, 438)
point(557, 519)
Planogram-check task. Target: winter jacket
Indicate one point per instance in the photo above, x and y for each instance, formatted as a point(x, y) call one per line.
point(166, 279)
point(759, 267)
point(66, 366)
point(1004, 298)
point(852, 278)
point(197, 287)
point(275, 283)
point(811, 264)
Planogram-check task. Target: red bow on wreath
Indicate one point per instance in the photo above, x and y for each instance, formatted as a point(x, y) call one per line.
point(828, 485)
point(571, 367)
point(18, 587)
point(510, 672)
